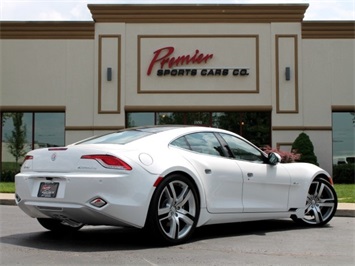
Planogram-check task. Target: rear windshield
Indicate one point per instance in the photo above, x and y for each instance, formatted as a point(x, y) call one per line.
point(124, 136)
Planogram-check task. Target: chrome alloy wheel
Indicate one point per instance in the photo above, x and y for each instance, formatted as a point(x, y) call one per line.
point(174, 210)
point(321, 203)
point(177, 209)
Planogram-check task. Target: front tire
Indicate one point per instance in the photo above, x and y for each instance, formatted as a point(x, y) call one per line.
point(58, 226)
point(174, 210)
point(321, 204)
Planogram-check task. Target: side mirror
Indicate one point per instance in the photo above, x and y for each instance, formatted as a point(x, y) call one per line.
point(274, 158)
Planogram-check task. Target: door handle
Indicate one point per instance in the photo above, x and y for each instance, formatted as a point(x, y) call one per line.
point(250, 174)
point(208, 171)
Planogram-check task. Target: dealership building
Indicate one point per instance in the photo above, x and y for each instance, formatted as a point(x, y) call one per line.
point(258, 70)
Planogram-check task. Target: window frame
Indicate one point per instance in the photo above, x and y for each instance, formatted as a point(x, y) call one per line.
point(263, 157)
point(32, 113)
point(222, 152)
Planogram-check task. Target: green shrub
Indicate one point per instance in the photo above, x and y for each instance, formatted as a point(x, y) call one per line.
point(303, 145)
point(8, 171)
point(8, 175)
point(344, 173)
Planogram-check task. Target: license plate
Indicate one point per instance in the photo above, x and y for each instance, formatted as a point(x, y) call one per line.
point(48, 189)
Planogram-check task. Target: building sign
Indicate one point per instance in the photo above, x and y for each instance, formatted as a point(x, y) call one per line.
point(198, 64)
point(183, 65)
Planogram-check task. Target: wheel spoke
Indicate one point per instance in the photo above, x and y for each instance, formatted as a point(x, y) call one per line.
point(326, 204)
point(185, 197)
point(319, 190)
point(164, 212)
point(168, 197)
point(172, 192)
point(186, 217)
point(174, 227)
point(324, 200)
point(317, 214)
point(308, 210)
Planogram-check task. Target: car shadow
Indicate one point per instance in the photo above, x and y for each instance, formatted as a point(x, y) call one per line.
point(260, 228)
point(103, 238)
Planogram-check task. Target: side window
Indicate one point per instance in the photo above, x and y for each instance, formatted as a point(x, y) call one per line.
point(205, 143)
point(182, 143)
point(243, 150)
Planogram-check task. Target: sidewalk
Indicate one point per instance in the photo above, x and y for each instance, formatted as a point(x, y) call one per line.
point(344, 209)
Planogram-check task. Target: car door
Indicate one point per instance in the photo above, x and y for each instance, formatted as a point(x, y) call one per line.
point(222, 177)
point(265, 186)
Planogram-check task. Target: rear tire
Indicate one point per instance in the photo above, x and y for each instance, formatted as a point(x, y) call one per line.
point(321, 204)
point(58, 226)
point(174, 210)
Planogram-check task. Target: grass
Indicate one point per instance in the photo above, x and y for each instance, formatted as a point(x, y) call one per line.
point(7, 187)
point(345, 192)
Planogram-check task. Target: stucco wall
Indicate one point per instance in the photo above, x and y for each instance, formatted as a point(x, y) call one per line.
point(64, 65)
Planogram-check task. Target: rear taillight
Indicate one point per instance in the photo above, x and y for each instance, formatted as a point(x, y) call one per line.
point(28, 157)
point(27, 163)
point(108, 161)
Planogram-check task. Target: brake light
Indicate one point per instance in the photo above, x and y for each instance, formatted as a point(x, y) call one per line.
point(28, 157)
point(57, 149)
point(108, 161)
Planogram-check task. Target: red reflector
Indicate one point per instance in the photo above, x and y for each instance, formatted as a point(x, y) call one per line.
point(157, 182)
point(331, 181)
point(108, 161)
point(98, 202)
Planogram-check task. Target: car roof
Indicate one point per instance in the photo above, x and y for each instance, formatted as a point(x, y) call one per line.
point(174, 128)
point(155, 128)
point(166, 133)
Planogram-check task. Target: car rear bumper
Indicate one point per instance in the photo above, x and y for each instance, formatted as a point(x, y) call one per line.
point(125, 203)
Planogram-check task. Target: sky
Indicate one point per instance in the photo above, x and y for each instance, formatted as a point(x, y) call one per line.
point(76, 10)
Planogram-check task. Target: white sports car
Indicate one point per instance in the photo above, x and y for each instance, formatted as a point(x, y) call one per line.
point(169, 180)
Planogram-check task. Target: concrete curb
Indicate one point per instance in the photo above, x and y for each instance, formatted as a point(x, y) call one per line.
point(7, 202)
point(345, 213)
point(7, 199)
point(344, 209)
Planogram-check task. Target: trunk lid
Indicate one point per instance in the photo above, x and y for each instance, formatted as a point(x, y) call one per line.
point(68, 159)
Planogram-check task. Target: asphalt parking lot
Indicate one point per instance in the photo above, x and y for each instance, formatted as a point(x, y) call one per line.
point(274, 242)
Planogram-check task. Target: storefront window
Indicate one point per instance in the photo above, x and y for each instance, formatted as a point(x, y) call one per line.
point(139, 119)
point(25, 131)
point(166, 118)
point(343, 137)
point(49, 130)
point(254, 126)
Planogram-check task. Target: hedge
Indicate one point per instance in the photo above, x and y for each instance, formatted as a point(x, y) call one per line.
point(344, 174)
point(8, 175)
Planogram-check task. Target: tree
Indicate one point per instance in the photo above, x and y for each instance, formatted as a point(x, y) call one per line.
point(303, 145)
point(5, 116)
point(17, 140)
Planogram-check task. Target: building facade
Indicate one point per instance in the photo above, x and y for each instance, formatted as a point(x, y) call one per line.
point(258, 70)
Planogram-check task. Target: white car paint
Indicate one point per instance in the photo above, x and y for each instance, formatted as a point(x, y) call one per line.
point(230, 190)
